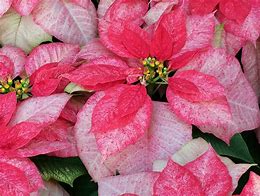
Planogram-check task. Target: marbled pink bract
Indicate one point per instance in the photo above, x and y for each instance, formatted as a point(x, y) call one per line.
point(252, 188)
point(177, 180)
point(5, 5)
point(48, 80)
point(16, 56)
point(70, 22)
point(139, 184)
point(251, 65)
point(50, 53)
point(198, 98)
point(226, 68)
point(24, 7)
point(20, 126)
point(100, 74)
point(165, 136)
point(120, 118)
point(198, 177)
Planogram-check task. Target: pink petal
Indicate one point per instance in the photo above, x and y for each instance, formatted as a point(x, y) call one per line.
point(39, 147)
point(177, 180)
point(174, 24)
point(29, 170)
point(202, 7)
point(119, 10)
point(139, 184)
point(95, 75)
point(249, 29)
point(198, 99)
point(57, 17)
point(17, 56)
point(156, 11)
point(135, 40)
point(120, 118)
point(112, 25)
point(235, 170)
point(49, 53)
point(72, 108)
point(59, 132)
point(235, 10)
point(51, 188)
point(14, 181)
point(103, 7)
point(212, 173)
point(20, 135)
point(57, 136)
point(233, 43)
point(241, 98)
point(47, 79)
point(82, 3)
point(251, 65)
point(6, 67)
point(41, 110)
point(92, 50)
point(71, 149)
point(5, 5)
point(24, 7)
point(196, 86)
point(194, 149)
point(166, 135)
point(117, 106)
point(252, 187)
point(200, 33)
point(167, 132)
point(7, 107)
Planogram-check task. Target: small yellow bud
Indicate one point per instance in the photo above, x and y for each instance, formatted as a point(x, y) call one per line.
point(18, 85)
point(144, 62)
point(157, 63)
point(19, 92)
point(25, 90)
point(152, 65)
point(10, 81)
point(11, 89)
point(161, 65)
point(3, 90)
point(6, 86)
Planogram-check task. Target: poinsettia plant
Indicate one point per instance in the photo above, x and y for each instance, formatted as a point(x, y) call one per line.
point(130, 97)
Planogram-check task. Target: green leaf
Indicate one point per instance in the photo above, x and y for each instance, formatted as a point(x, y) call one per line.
point(237, 148)
point(61, 169)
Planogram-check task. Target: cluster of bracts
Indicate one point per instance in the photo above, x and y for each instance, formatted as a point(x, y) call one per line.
point(91, 92)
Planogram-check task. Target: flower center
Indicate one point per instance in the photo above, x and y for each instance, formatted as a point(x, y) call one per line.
point(154, 71)
point(19, 85)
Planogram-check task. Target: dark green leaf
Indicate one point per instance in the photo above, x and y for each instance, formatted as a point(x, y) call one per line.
point(237, 148)
point(84, 186)
point(61, 169)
